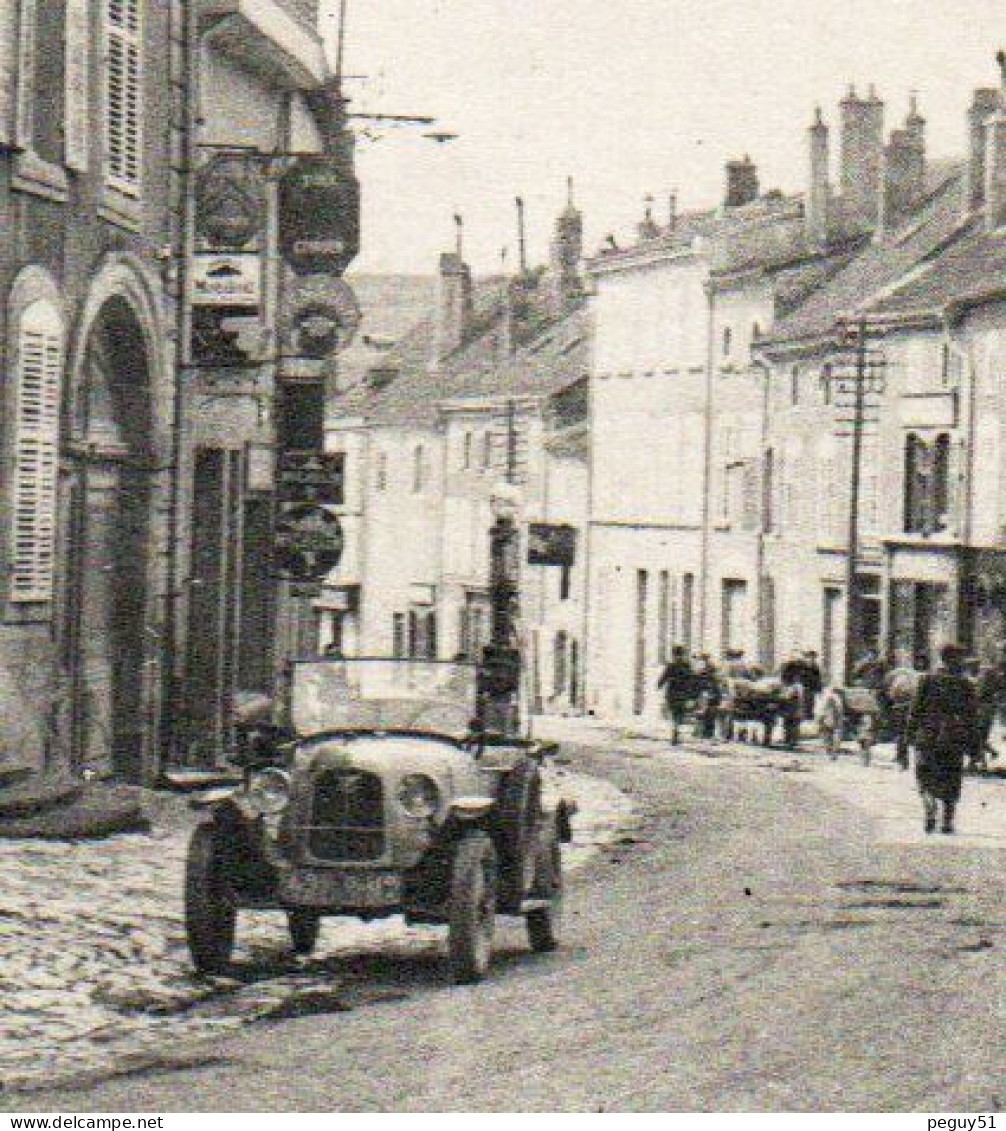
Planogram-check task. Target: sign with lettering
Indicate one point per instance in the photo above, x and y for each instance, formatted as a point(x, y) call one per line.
point(309, 542)
point(227, 280)
point(551, 545)
point(312, 477)
point(319, 215)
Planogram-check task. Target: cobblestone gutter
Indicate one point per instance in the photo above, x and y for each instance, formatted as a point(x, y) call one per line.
point(95, 977)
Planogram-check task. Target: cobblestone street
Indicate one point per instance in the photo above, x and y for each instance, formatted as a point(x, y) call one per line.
point(95, 976)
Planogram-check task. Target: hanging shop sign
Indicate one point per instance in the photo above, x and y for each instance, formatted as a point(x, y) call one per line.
point(319, 215)
point(551, 545)
point(230, 201)
point(227, 280)
point(312, 477)
point(316, 330)
point(309, 542)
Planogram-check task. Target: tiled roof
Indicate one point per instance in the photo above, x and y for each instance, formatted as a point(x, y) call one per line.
point(973, 265)
point(879, 267)
point(555, 354)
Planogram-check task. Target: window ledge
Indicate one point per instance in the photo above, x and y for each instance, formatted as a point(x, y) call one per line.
point(121, 210)
point(33, 174)
point(27, 612)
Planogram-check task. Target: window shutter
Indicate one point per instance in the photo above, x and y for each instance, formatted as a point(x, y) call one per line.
point(123, 95)
point(33, 505)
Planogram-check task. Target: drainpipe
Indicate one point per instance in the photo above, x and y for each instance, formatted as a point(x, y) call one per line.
point(760, 578)
point(707, 465)
point(185, 17)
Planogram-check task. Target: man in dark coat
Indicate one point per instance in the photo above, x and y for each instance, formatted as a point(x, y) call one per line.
point(942, 727)
point(991, 705)
point(813, 683)
point(679, 684)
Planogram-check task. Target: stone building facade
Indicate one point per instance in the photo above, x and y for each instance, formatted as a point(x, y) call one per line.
point(488, 396)
point(88, 105)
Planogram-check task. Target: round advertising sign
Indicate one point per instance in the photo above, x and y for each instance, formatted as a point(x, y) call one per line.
point(319, 215)
point(309, 542)
point(230, 201)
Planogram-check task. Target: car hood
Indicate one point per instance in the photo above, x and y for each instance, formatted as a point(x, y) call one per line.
point(390, 756)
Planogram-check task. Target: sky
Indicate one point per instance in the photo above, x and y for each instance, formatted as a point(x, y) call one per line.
point(628, 97)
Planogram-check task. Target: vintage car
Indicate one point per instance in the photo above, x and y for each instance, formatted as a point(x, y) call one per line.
point(380, 797)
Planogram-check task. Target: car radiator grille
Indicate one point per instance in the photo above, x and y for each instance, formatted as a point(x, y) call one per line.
point(347, 819)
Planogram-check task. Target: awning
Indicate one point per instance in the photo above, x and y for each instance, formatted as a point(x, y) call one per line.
point(261, 36)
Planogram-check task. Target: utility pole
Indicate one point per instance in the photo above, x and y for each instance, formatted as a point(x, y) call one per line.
point(858, 388)
point(855, 474)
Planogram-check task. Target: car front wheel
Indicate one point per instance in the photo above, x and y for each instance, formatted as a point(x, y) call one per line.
point(472, 919)
point(210, 912)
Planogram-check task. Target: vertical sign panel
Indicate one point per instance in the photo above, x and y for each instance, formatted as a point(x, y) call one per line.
point(77, 62)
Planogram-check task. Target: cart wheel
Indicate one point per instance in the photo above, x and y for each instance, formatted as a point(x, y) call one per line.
point(210, 912)
point(544, 924)
point(472, 919)
point(304, 928)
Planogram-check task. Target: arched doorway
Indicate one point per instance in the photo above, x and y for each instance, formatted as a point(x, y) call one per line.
point(109, 458)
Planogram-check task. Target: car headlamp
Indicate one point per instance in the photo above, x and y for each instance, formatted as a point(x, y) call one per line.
point(269, 792)
point(419, 795)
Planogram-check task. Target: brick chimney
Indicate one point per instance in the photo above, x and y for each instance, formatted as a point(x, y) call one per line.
point(742, 183)
point(983, 104)
point(904, 169)
point(862, 157)
point(995, 156)
point(818, 191)
point(456, 301)
point(566, 251)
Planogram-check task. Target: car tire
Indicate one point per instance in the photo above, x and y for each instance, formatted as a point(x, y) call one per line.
point(304, 929)
point(472, 913)
point(210, 911)
point(544, 924)
point(517, 816)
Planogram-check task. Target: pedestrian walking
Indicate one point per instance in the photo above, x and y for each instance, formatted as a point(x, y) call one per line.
point(831, 720)
point(709, 695)
point(813, 683)
point(942, 727)
point(679, 687)
point(991, 705)
point(899, 689)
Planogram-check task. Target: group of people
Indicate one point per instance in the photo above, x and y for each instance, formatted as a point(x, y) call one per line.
point(945, 715)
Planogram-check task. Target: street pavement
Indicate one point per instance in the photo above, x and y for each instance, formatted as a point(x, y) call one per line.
point(96, 978)
point(775, 935)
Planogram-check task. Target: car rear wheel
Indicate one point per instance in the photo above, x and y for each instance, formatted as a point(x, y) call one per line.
point(544, 924)
point(472, 918)
point(210, 911)
point(304, 929)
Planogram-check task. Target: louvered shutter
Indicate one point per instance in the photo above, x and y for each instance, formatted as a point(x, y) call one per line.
point(123, 94)
point(33, 503)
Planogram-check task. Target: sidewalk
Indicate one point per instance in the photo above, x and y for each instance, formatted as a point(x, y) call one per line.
point(881, 790)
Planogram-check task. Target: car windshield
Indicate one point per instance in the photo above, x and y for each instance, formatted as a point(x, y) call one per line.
point(332, 693)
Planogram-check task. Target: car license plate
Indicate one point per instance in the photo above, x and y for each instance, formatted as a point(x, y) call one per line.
point(322, 888)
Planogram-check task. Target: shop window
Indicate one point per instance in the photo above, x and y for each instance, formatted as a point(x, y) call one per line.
point(39, 367)
point(123, 95)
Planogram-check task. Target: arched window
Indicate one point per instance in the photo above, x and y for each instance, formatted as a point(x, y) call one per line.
point(38, 364)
